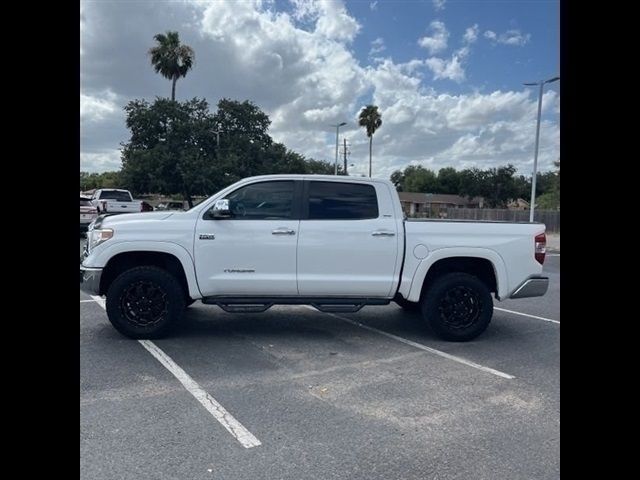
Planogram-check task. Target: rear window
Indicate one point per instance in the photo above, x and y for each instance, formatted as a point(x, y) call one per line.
point(115, 195)
point(342, 201)
point(85, 203)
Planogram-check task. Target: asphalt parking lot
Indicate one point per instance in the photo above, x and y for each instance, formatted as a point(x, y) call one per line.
point(310, 395)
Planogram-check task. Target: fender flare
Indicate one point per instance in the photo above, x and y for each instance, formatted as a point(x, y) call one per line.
point(496, 260)
point(170, 248)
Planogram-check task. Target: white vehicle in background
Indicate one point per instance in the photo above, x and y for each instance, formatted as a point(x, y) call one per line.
point(336, 243)
point(113, 201)
point(88, 213)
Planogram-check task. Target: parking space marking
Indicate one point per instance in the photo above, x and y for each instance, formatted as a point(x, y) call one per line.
point(85, 301)
point(553, 254)
point(455, 358)
point(527, 315)
point(233, 426)
point(99, 300)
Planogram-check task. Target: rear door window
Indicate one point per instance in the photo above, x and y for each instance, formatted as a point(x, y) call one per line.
point(342, 201)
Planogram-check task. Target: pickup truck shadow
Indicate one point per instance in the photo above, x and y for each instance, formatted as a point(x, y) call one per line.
point(304, 324)
point(284, 321)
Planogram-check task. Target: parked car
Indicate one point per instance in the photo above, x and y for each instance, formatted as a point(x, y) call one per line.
point(336, 243)
point(171, 206)
point(113, 201)
point(88, 213)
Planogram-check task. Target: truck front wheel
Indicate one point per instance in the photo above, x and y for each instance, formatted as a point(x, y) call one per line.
point(145, 302)
point(458, 307)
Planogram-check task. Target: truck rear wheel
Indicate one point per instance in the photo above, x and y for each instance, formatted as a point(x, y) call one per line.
point(458, 307)
point(145, 302)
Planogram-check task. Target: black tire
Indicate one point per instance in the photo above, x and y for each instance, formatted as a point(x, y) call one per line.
point(145, 302)
point(406, 305)
point(458, 307)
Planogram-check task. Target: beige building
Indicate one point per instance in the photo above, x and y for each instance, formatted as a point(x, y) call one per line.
point(435, 204)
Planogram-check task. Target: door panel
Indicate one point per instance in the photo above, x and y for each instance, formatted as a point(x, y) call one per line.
point(254, 252)
point(347, 256)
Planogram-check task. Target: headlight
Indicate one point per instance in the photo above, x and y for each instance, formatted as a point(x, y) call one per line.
point(98, 236)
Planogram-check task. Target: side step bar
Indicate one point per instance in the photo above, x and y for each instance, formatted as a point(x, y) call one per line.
point(324, 304)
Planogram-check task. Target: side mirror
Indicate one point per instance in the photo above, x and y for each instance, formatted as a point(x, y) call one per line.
point(221, 209)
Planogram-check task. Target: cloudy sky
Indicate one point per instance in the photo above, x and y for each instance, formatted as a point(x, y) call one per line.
point(447, 75)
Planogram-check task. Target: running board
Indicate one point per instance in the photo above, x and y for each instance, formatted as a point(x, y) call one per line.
point(323, 304)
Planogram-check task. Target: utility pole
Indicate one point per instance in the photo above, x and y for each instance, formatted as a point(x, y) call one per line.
point(345, 156)
point(341, 124)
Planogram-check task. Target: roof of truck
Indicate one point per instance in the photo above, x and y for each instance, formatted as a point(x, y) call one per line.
point(348, 178)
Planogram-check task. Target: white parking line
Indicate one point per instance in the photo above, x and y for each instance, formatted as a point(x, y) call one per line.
point(99, 300)
point(527, 315)
point(553, 254)
point(233, 426)
point(455, 358)
point(85, 301)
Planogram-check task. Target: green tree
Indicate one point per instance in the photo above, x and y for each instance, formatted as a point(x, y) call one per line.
point(371, 119)
point(550, 199)
point(171, 149)
point(174, 147)
point(419, 179)
point(244, 135)
point(397, 178)
point(448, 181)
point(171, 59)
point(90, 181)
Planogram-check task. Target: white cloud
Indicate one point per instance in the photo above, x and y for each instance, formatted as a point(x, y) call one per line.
point(490, 35)
point(471, 34)
point(453, 68)
point(374, 5)
point(438, 5)
point(377, 46)
point(447, 69)
point(510, 37)
point(438, 41)
point(97, 108)
point(306, 80)
point(106, 160)
point(331, 17)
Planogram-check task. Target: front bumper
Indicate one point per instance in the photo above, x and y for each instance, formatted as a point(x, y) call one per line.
point(531, 287)
point(90, 280)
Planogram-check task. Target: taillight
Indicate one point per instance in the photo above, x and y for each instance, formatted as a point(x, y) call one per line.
point(541, 247)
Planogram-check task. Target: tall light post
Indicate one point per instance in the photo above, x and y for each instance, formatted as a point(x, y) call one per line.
point(337, 130)
point(541, 84)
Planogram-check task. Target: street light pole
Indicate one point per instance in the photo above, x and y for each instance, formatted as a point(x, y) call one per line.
point(337, 130)
point(535, 155)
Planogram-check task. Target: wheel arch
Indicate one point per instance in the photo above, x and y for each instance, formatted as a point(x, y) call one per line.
point(485, 264)
point(170, 257)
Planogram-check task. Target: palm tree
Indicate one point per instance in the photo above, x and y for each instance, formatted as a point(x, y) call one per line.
point(171, 59)
point(371, 119)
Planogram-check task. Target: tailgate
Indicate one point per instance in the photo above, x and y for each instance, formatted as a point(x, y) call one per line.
point(121, 207)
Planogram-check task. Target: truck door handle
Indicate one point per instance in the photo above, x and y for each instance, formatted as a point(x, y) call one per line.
point(283, 231)
point(383, 233)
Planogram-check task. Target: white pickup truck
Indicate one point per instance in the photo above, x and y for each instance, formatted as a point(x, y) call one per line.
point(112, 200)
point(337, 243)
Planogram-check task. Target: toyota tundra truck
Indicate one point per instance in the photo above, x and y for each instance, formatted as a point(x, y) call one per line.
point(336, 243)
